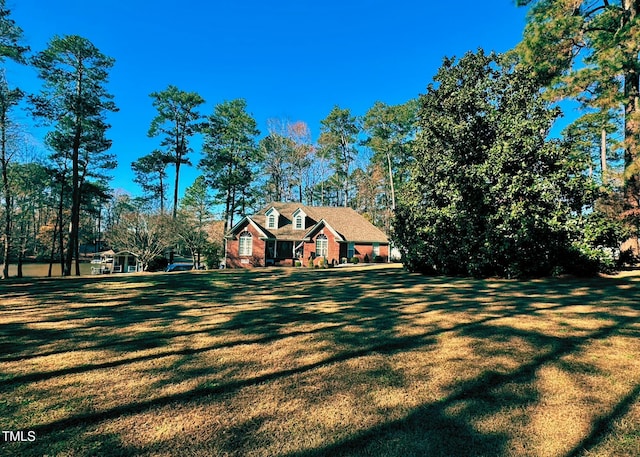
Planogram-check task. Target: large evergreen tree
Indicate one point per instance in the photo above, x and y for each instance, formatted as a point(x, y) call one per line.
point(230, 156)
point(338, 139)
point(11, 36)
point(150, 172)
point(194, 217)
point(275, 151)
point(12, 48)
point(286, 159)
point(176, 122)
point(390, 132)
point(489, 194)
point(589, 51)
point(75, 100)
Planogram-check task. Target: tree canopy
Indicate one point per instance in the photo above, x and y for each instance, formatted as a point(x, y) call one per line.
point(230, 154)
point(176, 122)
point(489, 194)
point(588, 51)
point(75, 100)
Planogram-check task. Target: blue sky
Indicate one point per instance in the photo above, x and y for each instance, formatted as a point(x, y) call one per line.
point(288, 59)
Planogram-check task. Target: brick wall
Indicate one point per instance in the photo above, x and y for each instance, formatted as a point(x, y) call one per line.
point(333, 247)
point(367, 249)
point(256, 259)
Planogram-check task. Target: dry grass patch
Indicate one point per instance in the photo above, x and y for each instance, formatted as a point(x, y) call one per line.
point(284, 362)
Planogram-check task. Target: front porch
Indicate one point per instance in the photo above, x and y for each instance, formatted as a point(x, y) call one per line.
point(280, 252)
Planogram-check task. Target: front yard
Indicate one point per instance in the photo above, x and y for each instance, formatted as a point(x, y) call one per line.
point(295, 362)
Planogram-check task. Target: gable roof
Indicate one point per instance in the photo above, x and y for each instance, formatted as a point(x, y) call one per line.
point(310, 232)
point(348, 223)
point(259, 227)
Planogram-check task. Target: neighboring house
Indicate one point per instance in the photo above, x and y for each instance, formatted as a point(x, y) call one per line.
point(282, 233)
point(115, 262)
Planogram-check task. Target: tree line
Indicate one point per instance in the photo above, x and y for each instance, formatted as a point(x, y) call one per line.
point(465, 178)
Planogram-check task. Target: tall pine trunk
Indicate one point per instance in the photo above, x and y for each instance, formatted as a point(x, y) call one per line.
point(6, 251)
point(53, 247)
point(603, 155)
point(393, 191)
point(61, 228)
point(632, 108)
point(74, 228)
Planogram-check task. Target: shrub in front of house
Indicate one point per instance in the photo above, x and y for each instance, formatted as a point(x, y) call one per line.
point(627, 259)
point(355, 259)
point(298, 263)
point(310, 263)
point(158, 264)
point(378, 259)
point(366, 258)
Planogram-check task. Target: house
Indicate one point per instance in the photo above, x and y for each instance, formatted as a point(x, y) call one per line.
point(115, 262)
point(283, 233)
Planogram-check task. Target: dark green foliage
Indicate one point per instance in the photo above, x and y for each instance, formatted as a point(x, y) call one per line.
point(588, 51)
point(337, 141)
point(489, 195)
point(176, 122)
point(9, 98)
point(159, 263)
point(390, 132)
point(230, 156)
point(74, 99)
point(212, 254)
point(626, 258)
point(10, 37)
point(150, 173)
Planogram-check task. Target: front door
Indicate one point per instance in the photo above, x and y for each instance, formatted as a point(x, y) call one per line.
point(271, 249)
point(285, 249)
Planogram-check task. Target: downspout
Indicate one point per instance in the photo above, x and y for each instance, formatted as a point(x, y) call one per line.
point(224, 242)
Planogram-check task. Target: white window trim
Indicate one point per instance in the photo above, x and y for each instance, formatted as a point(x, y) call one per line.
point(323, 241)
point(276, 216)
point(272, 221)
point(245, 249)
point(299, 214)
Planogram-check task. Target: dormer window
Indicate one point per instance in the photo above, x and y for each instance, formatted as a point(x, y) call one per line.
point(298, 219)
point(272, 218)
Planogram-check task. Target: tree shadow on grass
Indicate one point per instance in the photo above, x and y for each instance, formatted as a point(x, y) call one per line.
point(447, 427)
point(356, 314)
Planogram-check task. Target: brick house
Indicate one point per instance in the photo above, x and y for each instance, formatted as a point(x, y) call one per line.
point(282, 233)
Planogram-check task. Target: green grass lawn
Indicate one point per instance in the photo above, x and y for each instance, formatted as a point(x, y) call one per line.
point(340, 362)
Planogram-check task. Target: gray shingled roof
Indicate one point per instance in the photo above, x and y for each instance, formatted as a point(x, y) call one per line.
point(347, 222)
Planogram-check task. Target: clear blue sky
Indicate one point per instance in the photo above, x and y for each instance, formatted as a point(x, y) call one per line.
point(289, 59)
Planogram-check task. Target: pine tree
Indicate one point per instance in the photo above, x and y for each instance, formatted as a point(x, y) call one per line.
point(75, 100)
point(230, 156)
point(150, 173)
point(588, 51)
point(10, 47)
point(177, 121)
point(338, 139)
